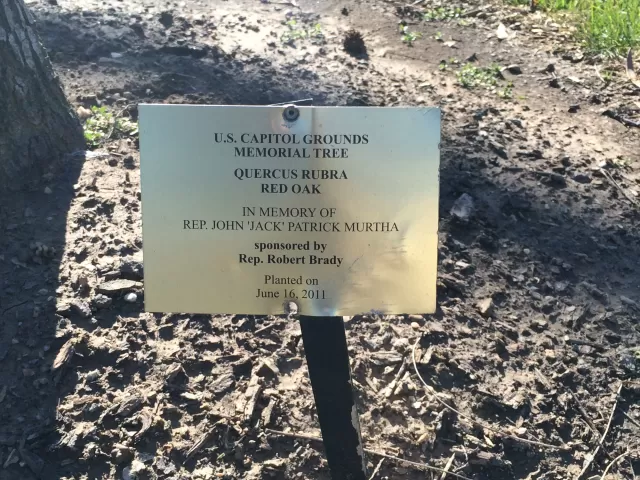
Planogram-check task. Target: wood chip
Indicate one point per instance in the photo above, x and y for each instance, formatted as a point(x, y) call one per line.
point(204, 438)
point(267, 412)
point(64, 355)
point(251, 395)
point(118, 286)
point(129, 405)
point(146, 418)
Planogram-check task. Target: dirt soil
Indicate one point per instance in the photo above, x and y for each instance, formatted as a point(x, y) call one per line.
point(536, 335)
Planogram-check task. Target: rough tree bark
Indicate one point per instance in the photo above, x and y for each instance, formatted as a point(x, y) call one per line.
point(37, 125)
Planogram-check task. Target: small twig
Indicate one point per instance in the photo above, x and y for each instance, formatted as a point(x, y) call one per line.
point(592, 457)
point(614, 461)
point(615, 184)
point(420, 466)
point(377, 469)
point(631, 419)
point(290, 4)
point(623, 120)
point(14, 306)
point(542, 379)
point(264, 329)
point(417, 465)
point(293, 102)
point(466, 417)
point(387, 392)
point(577, 341)
point(584, 415)
point(447, 467)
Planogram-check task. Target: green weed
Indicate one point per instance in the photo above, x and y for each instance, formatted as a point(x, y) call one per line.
point(471, 76)
point(507, 91)
point(296, 32)
point(409, 37)
point(604, 26)
point(103, 125)
point(442, 13)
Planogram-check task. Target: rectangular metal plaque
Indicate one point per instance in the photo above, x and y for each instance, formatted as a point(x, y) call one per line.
point(244, 211)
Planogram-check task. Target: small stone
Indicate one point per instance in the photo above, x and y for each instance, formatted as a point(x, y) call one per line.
point(628, 301)
point(539, 324)
point(208, 472)
point(132, 472)
point(582, 178)
point(83, 113)
point(502, 33)
point(92, 375)
point(101, 301)
point(574, 108)
point(81, 308)
point(586, 349)
point(80, 282)
point(550, 355)
point(556, 180)
point(514, 69)
point(415, 325)
point(485, 307)
point(554, 83)
point(131, 268)
point(463, 207)
point(131, 297)
point(48, 191)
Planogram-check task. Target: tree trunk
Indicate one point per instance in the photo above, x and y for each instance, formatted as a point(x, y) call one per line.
point(37, 125)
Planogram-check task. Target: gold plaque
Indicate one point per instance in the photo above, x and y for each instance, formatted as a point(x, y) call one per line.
point(246, 209)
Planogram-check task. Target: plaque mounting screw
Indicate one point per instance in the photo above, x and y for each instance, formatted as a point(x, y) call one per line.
point(290, 113)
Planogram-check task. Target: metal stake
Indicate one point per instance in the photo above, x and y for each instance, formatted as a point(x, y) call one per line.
point(325, 345)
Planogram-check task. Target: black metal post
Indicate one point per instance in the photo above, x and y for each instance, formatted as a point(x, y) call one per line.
point(325, 345)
